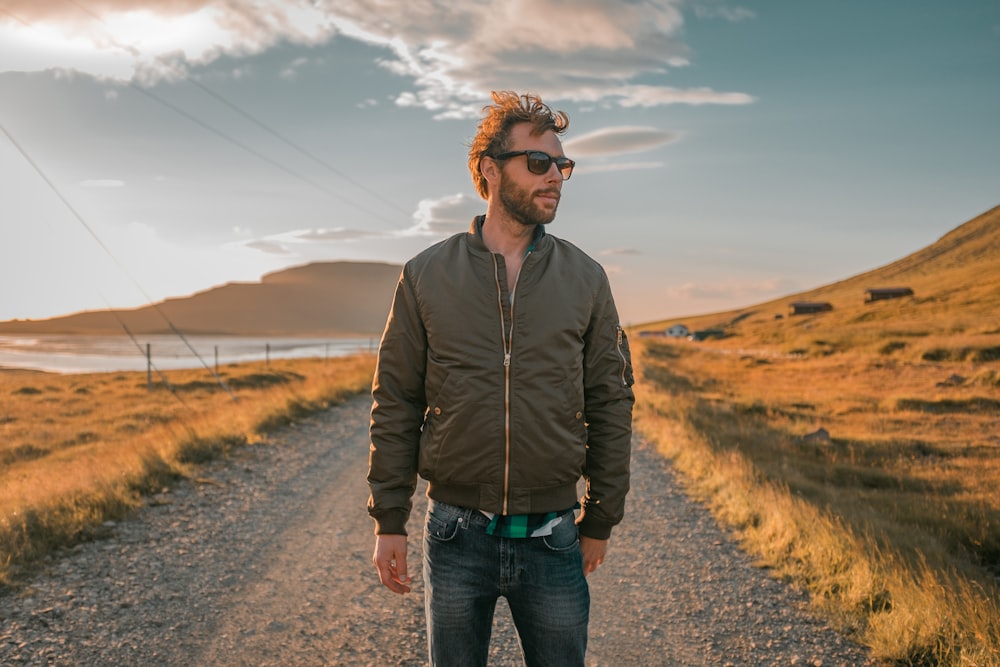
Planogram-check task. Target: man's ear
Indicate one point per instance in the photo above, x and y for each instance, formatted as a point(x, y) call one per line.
point(490, 169)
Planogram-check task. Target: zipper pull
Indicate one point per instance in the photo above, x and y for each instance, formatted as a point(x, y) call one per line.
point(506, 359)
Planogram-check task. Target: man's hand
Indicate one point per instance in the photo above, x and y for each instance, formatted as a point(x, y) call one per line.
point(593, 553)
point(390, 561)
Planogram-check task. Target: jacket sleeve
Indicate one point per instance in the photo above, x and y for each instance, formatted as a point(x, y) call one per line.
point(609, 399)
point(397, 416)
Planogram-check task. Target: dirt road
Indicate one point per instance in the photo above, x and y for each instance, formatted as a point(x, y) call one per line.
point(265, 560)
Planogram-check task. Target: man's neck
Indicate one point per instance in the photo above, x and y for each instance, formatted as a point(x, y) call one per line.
point(505, 236)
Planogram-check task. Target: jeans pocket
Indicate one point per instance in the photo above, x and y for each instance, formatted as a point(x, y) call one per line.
point(443, 521)
point(565, 535)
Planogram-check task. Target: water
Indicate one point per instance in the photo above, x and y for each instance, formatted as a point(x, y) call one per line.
point(100, 354)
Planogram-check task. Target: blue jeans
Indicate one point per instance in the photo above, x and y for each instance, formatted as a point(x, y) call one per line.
point(466, 571)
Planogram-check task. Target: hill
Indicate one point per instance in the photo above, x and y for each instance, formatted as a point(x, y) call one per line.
point(956, 290)
point(323, 298)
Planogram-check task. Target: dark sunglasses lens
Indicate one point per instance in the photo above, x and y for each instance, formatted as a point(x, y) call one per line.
point(539, 163)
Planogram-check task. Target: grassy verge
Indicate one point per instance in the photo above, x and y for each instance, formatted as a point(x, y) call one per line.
point(79, 450)
point(888, 516)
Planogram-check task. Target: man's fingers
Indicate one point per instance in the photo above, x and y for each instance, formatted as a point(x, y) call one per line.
point(591, 564)
point(392, 578)
point(390, 561)
point(395, 583)
point(399, 570)
point(593, 551)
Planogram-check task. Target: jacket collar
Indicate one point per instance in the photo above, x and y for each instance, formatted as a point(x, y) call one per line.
point(476, 234)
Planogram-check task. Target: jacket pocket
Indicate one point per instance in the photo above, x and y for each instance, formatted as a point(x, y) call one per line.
point(437, 422)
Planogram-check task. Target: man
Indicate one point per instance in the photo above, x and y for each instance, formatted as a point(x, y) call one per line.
point(503, 377)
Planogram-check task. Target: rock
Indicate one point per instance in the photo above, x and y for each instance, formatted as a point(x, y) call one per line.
point(953, 380)
point(819, 435)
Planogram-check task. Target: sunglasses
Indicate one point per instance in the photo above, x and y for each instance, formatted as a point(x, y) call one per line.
point(539, 162)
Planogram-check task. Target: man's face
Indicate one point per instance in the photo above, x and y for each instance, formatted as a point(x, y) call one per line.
point(531, 199)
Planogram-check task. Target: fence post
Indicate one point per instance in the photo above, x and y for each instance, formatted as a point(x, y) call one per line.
point(149, 368)
point(267, 355)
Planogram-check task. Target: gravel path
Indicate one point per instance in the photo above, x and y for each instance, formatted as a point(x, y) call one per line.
point(265, 560)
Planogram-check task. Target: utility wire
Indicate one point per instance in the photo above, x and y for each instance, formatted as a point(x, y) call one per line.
point(131, 50)
point(293, 145)
point(107, 250)
point(93, 234)
point(255, 153)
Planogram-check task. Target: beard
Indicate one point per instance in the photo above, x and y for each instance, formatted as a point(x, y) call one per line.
point(519, 203)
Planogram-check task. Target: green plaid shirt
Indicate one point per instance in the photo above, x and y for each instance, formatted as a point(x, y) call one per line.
point(521, 525)
point(518, 525)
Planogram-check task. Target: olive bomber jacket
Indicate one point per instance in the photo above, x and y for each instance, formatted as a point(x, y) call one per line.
point(502, 403)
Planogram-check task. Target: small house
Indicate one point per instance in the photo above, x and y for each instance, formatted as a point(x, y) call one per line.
point(678, 331)
point(809, 307)
point(882, 293)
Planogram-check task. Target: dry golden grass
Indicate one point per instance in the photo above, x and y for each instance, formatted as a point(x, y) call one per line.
point(78, 450)
point(891, 523)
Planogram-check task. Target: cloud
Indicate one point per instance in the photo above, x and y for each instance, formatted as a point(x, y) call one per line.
point(327, 235)
point(281, 244)
point(620, 251)
point(269, 247)
point(615, 166)
point(446, 215)
point(584, 51)
point(617, 140)
point(148, 39)
point(439, 217)
point(291, 70)
point(715, 10)
point(652, 96)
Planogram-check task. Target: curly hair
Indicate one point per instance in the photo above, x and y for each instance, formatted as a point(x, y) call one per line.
point(509, 109)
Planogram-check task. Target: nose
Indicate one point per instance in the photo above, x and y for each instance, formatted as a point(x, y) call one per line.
point(553, 174)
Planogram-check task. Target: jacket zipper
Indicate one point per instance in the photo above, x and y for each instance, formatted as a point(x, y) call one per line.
point(507, 339)
point(621, 355)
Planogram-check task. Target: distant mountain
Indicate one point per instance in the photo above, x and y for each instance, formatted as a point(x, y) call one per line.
point(955, 283)
point(324, 298)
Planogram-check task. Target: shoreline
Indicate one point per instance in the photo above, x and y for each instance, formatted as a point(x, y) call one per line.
point(79, 354)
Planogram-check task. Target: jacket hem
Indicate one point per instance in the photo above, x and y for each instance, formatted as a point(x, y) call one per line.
point(521, 501)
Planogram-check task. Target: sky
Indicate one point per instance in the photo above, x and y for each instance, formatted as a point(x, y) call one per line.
point(727, 153)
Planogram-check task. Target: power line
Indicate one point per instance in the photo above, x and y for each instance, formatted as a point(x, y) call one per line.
point(254, 152)
point(191, 117)
point(124, 269)
point(259, 123)
point(293, 145)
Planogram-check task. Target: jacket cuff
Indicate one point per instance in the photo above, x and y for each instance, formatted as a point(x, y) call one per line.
point(593, 527)
point(391, 522)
